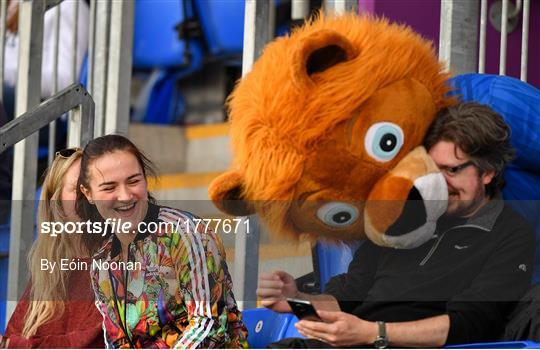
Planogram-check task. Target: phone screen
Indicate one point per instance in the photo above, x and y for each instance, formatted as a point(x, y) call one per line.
point(303, 309)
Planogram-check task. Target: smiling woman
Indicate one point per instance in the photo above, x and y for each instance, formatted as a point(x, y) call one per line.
point(181, 294)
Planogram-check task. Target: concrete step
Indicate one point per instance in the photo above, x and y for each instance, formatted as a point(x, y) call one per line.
point(177, 149)
point(182, 186)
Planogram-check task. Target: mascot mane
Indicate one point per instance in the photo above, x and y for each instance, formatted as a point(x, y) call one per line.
point(307, 83)
point(303, 154)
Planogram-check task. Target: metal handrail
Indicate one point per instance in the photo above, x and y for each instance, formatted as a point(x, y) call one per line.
point(74, 96)
point(22, 128)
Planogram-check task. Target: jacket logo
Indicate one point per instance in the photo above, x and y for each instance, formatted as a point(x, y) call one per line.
point(152, 270)
point(522, 267)
point(460, 247)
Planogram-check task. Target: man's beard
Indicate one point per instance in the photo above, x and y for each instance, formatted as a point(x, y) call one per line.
point(464, 208)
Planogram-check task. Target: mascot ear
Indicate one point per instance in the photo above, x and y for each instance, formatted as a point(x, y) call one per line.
point(318, 52)
point(226, 193)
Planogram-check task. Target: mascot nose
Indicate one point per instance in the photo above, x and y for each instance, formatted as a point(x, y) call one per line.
point(412, 217)
point(403, 207)
point(426, 202)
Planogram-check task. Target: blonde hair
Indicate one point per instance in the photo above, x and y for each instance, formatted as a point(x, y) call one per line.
point(48, 290)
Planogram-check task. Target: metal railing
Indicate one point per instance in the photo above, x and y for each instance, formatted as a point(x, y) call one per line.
point(74, 98)
point(110, 61)
point(459, 47)
point(112, 55)
point(17, 132)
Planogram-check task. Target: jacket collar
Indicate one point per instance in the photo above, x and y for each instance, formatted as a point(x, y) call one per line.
point(151, 216)
point(486, 216)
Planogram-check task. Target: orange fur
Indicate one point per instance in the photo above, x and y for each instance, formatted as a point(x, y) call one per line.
point(288, 128)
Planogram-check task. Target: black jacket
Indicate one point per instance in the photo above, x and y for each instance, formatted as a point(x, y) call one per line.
point(474, 270)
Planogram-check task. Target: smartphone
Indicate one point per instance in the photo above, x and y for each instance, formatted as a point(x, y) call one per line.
point(303, 309)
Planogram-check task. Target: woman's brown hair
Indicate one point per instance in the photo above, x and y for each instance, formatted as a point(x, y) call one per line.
point(94, 150)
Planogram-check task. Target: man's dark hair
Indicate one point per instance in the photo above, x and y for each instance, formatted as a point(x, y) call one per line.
point(479, 132)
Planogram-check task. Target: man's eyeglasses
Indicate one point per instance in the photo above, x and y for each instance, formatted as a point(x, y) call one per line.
point(68, 152)
point(453, 171)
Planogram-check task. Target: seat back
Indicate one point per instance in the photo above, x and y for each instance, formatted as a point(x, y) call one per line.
point(222, 24)
point(291, 331)
point(265, 326)
point(155, 40)
point(332, 259)
point(519, 104)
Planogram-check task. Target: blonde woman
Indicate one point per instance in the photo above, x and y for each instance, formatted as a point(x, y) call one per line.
point(57, 309)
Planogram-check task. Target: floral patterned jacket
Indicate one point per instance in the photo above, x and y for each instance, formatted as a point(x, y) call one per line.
point(181, 296)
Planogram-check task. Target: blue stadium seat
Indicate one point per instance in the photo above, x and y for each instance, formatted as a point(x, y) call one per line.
point(215, 34)
point(333, 259)
point(499, 345)
point(519, 104)
point(157, 46)
point(223, 25)
point(156, 42)
point(265, 326)
point(291, 331)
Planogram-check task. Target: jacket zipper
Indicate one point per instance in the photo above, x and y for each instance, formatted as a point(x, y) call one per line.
point(126, 276)
point(123, 325)
point(436, 245)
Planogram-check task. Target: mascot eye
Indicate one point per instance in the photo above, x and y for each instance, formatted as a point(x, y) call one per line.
point(383, 141)
point(337, 214)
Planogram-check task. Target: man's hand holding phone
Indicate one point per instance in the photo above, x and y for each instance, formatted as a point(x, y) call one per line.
point(274, 289)
point(304, 310)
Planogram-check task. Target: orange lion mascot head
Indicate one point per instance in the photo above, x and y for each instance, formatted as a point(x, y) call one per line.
point(327, 131)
